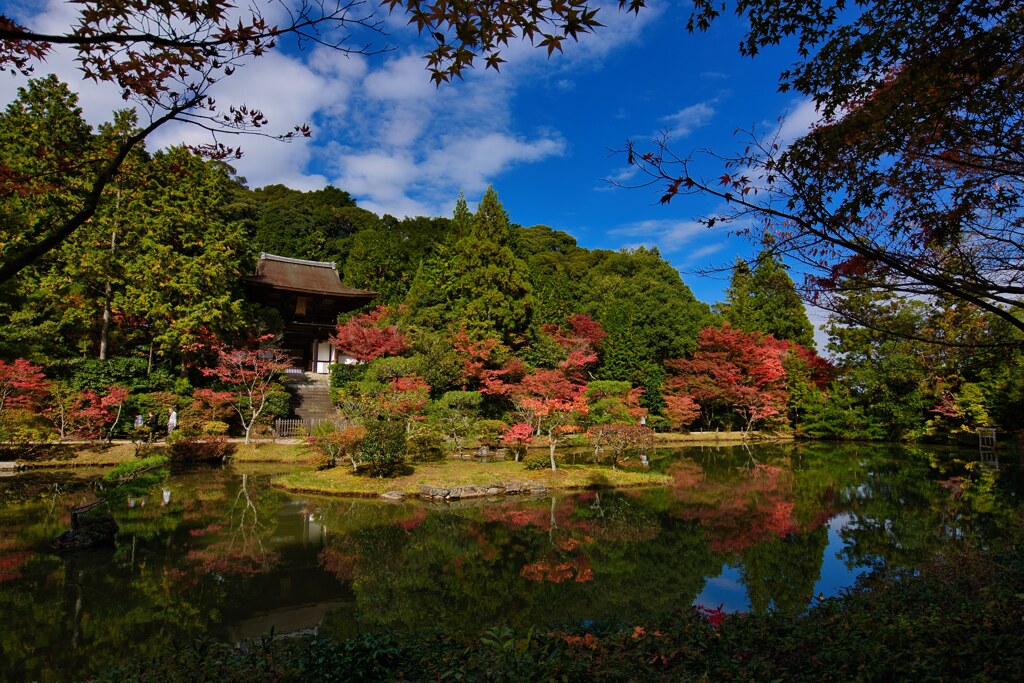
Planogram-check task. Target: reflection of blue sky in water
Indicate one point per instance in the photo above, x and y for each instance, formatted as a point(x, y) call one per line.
point(835, 575)
point(726, 590)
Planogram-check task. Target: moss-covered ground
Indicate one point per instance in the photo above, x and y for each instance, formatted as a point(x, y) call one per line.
point(452, 472)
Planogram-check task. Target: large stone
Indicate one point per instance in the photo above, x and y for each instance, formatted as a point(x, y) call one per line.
point(393, 496)
point(92, 530)
point(467, 492)
point(432, 492)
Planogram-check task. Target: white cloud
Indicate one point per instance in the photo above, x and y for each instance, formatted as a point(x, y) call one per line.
point(688, 119)
point(403, 79)
point(670, 236)
point(382, 131)
point(701, 253)
point(797, 122)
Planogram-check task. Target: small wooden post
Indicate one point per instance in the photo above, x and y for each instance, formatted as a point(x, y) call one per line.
point(987, 447)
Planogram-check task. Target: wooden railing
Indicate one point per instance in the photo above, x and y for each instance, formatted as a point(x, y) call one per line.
point(296, 427)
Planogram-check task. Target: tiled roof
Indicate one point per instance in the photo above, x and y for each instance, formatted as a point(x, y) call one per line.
point(297, 275)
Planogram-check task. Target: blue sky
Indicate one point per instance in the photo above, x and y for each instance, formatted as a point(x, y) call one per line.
point(541, 131)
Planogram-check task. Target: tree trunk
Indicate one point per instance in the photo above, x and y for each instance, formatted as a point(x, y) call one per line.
point(105, 322)
point(551, 448)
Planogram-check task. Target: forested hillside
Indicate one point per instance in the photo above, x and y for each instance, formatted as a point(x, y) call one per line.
point(484, 318)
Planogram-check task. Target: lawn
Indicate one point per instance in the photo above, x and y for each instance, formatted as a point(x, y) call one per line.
point(452, 472)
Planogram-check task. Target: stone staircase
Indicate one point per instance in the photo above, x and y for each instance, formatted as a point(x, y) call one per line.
point(312, 394)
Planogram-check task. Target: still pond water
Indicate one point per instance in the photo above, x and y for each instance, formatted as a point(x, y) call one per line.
point(220, 552)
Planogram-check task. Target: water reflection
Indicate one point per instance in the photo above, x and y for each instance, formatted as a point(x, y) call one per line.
point(222, 552)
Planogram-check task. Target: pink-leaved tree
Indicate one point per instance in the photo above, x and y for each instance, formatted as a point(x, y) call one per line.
point(246, 378)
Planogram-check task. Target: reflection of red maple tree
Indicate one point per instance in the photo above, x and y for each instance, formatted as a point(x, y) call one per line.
point(738, 514)
point(11, 563)
point(521, 515)
point(419, 516)
point(224, 557)
point(576, 569)
point(340, 562)
point(237, 545)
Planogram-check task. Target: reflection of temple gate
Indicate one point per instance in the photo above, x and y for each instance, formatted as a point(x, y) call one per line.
point(987, 447)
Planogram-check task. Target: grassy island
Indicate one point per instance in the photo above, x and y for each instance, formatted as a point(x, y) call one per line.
point(453, 472)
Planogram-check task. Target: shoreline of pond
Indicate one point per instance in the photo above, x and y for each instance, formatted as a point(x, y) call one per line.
point(74, 454)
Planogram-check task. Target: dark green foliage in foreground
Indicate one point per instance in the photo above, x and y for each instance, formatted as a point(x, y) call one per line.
point(384, 447)
point(959, 619)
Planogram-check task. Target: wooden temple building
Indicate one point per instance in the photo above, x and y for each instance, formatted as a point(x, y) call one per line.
point(309, 295)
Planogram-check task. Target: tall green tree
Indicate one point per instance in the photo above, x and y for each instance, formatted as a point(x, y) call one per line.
point(386, 253)
point(181, 285)
point(764, 299)
point(647, 310)
point(481, 285)
point(551, 255)
point(46, 148)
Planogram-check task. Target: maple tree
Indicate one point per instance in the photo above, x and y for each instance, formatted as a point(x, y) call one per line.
point(250, 375)
point(85, 414)
point(390, 389)
point(22, 384)
point(910, 182)
point(517, 437)
point(554, 402)
point(369, 335)
point(339, 443)
point(681, 411)
point(735, 371)
point(623, 440)
point(581, 341)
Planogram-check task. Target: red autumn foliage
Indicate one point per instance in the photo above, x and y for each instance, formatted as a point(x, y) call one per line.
point(478, 356)
point(339, 562)
point(517, 437)
point(735, 371)
point(739, 514)
point(22, 385)
point(11, 563)
point(419, 516)
point(86, 414)
point(369, 336)
point(251, 375)
point(714, 616)
point(681, 411)
point(503, 381)
point(584, 333)
point(581, 342)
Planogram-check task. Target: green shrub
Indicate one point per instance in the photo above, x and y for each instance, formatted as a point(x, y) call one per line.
point(341, 374)
point(215, 428)
point(489, 432)
point(425, 445)
point(384, 449)
point(659, 423)
point(21, 428)
point(279, 405)
point(537, 460)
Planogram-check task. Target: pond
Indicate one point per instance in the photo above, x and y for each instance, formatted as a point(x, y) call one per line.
point(220, 552)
